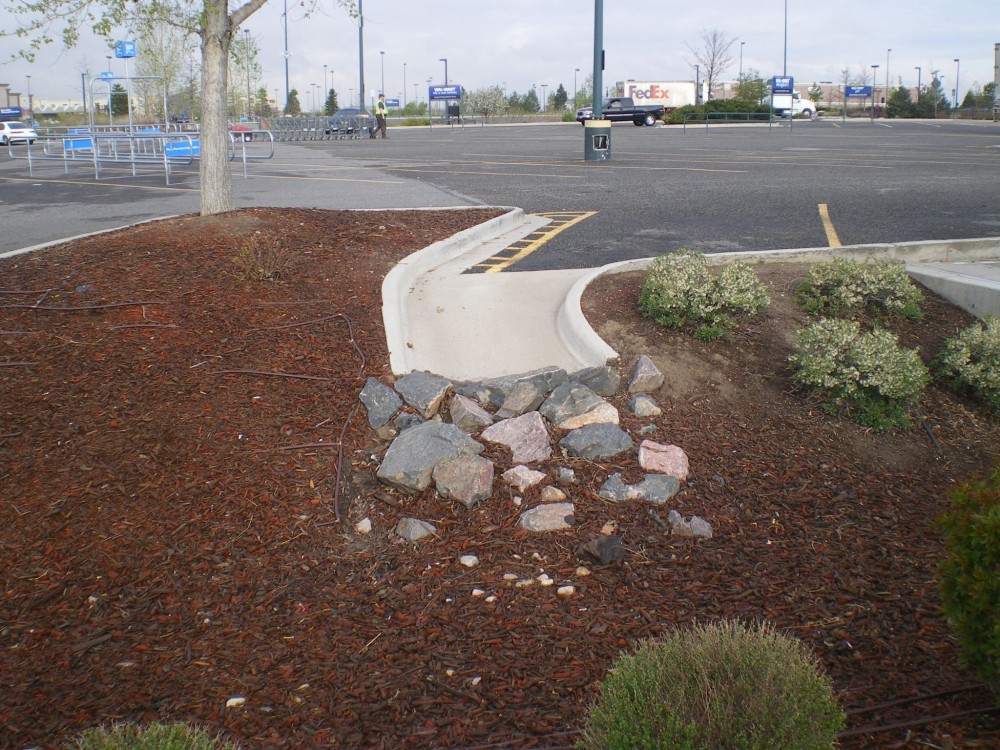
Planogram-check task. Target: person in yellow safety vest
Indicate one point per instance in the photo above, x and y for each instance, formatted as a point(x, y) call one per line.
point(380, 110)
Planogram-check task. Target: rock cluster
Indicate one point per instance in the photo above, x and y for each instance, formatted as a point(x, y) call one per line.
point(438, 429)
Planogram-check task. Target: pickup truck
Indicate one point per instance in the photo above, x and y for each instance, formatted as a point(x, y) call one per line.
point(623, 109)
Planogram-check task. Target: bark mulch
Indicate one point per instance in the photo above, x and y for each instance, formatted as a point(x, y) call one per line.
point(183, 459)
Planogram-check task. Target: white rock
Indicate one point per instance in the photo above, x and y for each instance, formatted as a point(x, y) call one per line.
point(509, 577)
point(522, 477)
point(490, 598)
point(469, 561)
point(524, 583)
point(609, 528)
point(545, 580)
point(566, 590)
point(364, 526)
point(478, 592)
point(235, 702)
point(552, 495)
point(582, 572)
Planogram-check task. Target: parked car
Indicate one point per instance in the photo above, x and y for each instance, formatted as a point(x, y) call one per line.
point(244, 129)
point(623, 109)
point(350, 120)
point(13, 131)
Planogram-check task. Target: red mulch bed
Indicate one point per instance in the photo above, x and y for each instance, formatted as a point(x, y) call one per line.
point(178, 515)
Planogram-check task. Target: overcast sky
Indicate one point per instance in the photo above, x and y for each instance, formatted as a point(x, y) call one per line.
point(521, 43)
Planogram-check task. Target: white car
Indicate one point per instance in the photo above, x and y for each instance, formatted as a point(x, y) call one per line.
point(12, 131)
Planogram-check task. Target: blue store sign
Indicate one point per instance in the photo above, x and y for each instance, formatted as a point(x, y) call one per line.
point(858, 92)
point(782, 85)
point(439, 93)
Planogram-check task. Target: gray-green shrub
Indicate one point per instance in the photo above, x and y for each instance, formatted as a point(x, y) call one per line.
point(970, 362)
point(680, 288)
point(724, 685)
point(129, 736)
point(879, 285)
point(867, 374)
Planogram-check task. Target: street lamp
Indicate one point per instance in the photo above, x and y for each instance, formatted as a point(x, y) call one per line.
point(575, 71)
point(784, 69)
point(445, 61)
point(325, 89)
point(284, 16)
point(741, 60)
point(111, 120)
point(246, 40)
point(31, 107)
point(874, 73)
point(545, 101)
point(382, 53)
point(957, 102)
point(917, 68)
point(887, 75)
point(404, 85)
point(697, 85)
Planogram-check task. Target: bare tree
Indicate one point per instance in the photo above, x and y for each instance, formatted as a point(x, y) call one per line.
point(164, 50)
point(714, 57)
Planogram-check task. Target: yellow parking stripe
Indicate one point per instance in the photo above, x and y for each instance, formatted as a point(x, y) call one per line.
point(831, 234)
point(522, 248)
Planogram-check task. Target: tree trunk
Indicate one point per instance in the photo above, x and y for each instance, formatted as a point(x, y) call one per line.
point(216, 179)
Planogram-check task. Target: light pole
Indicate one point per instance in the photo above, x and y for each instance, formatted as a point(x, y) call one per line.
point(246, 41)
point(545, 101)
point(382, 53)
point(784, 68)
point(697, 85)
point(404, 85)
point(445, 61)
point(874, 73)
point(957, 67)
point(31, 108)
point(575, 71)
point(887, 75)
point(111, 120)
point(287, 55)
point(416, 95)
point(741, 60)
point(325, 89)
point(351, 94)
point(918, 82)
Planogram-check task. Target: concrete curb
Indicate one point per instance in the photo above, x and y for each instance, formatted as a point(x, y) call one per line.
point(581, 339)
point(53, 243)
point(401, 279)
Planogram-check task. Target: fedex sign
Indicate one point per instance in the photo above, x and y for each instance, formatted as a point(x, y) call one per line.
point(650, 91)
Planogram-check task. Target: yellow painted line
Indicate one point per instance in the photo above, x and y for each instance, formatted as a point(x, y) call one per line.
point(831, 234)
point(564, 220)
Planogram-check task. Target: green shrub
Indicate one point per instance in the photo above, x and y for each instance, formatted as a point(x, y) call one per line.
point(970, 362)
point(843, 286)
point(151, 737)
point(715, 686)
point(865, 374)
point(970, 575)
point(680, 288)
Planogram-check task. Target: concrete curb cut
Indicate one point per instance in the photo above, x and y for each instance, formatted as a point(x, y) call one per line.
point(401, 279)
point(582, 340)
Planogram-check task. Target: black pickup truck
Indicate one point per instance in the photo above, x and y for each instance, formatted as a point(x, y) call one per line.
point(623, 109)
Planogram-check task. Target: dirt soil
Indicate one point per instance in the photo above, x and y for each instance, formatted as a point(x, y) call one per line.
point(183, 460)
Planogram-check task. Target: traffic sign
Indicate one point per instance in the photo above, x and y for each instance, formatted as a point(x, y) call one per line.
point(124, 49)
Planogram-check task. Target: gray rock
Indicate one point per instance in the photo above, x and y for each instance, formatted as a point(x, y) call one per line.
point(380, 401)
point(550, 517)
point(644, 406)
point(410, 460)
point(655, 488)
point(566, 476)
point(572, 405)
point(526, 437)
point(658, 488)
point(700, 528)
point(523, 397)
point(646, 377)
point(604, 380)
point(603, 550)
point(482, 394)
point(424, 391)
point(466, 479)
point(467, 415)
point(412, 529)
point(406, 420)
point(596, 441)
point(545, 379)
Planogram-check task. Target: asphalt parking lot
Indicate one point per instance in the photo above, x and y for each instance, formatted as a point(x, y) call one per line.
point(718, 189)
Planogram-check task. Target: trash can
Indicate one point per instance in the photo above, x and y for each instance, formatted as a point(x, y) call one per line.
point(597, 140)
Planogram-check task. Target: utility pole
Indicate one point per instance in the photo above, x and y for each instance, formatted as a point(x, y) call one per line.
point(361, 55)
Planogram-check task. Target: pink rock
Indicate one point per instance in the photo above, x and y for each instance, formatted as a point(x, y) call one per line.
point(664, 459)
